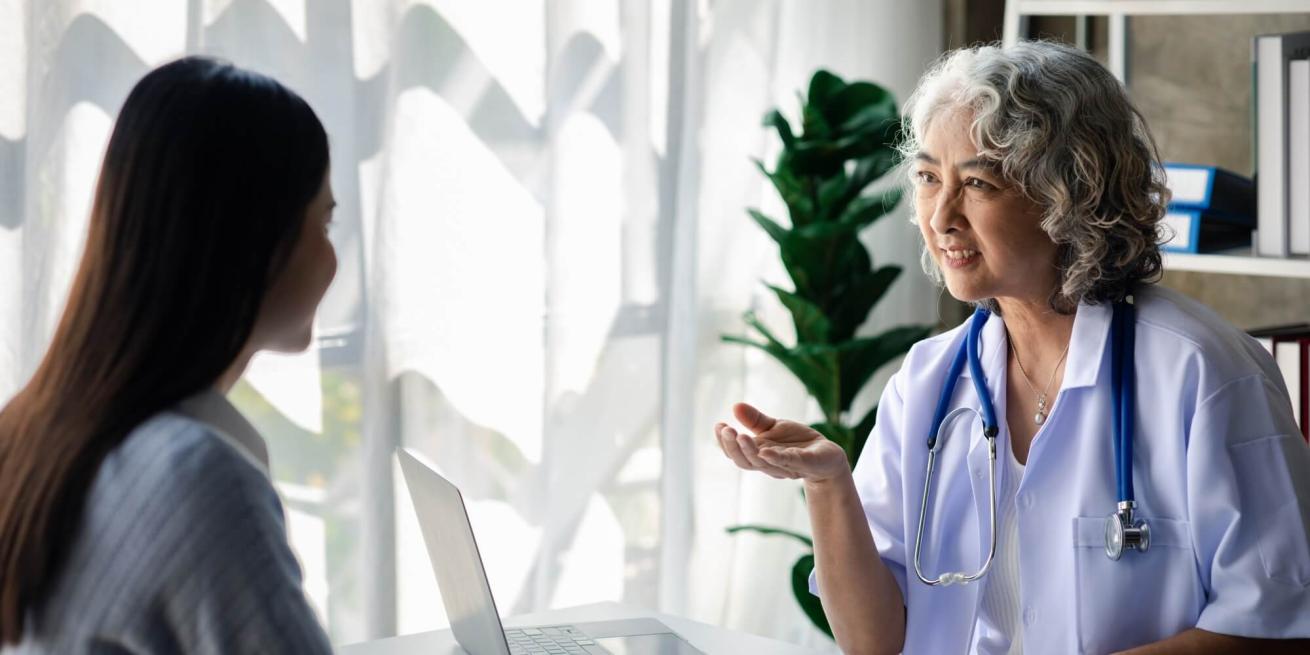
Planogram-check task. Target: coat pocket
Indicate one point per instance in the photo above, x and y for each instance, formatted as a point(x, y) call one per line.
point(1142, 597)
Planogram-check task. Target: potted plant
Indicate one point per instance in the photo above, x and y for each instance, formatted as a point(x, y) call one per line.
point(846, 143)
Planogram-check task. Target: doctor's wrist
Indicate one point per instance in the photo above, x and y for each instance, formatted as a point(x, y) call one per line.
point(828, 485)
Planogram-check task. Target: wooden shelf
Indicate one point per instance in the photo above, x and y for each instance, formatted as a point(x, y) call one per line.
point(1238, 265)
point(1156, 7)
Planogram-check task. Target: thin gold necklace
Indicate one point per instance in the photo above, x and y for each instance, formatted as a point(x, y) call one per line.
point(1040, 417)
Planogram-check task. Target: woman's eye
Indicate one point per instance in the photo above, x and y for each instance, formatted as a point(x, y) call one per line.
point(924, 177)
point(979, 184)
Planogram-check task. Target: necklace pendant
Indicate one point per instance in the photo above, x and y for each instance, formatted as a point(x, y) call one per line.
point(1039, 418)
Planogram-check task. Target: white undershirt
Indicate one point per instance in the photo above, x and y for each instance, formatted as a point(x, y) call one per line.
point(999, 629)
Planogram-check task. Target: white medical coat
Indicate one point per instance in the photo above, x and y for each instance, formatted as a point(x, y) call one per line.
point(1220, 470)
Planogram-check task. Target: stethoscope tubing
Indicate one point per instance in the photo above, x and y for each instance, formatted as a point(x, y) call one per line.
point(941, 419)
point(1123, 388)
point(956, 578)
point(1123, 391)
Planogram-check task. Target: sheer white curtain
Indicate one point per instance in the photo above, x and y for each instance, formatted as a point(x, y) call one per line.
point(542, 233)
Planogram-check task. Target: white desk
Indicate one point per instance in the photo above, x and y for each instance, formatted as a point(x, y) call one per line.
point(710, 639)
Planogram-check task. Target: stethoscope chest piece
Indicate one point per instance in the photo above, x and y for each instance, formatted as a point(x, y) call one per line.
point(1123, 532)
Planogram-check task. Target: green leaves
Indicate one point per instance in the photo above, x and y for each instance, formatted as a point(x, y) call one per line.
point(800, 588)
point(777, 232)
point(775, 119)
point(861, 434)
point(860, 106)
point(766, 530)
point(863, 211)
point(800, 574)
point(814, 365)
point(793, 191)
point(846, 143)
point(858, 298)
point(811, 325)
point(823, 86)
point(843, 122)
point(859, 359)
point(836, 433)
point(833, 373)
point(822, 175)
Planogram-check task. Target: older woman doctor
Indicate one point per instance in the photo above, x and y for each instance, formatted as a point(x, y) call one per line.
point(1117, 467)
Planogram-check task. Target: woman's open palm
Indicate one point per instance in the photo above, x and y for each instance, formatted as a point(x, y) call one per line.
point(780, 448)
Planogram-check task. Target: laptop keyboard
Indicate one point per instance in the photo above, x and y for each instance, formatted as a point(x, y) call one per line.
point(551, 640)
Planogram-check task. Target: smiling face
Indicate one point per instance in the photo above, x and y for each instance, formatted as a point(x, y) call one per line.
point(984, 235)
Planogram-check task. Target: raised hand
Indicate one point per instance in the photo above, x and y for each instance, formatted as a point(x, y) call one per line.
point(780, 448)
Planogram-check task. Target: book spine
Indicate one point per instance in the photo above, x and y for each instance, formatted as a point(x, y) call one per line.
point(1287, 354)
point(1298, 156)
point(1271, 130)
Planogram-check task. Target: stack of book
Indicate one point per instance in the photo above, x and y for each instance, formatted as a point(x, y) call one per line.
point(1281, 63)
point(1290, 346)
point(1210, 209)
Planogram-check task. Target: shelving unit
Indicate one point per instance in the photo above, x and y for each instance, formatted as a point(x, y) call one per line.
point(1238, 265)
point(1117, 13)
point(1154, 7)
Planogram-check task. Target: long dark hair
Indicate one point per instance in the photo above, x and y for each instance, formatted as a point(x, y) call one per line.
point(204, 187)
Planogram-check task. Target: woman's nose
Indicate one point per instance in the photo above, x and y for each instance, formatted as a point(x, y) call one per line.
point(946, 214)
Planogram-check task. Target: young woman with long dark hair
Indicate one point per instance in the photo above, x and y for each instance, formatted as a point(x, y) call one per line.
point(136, 512)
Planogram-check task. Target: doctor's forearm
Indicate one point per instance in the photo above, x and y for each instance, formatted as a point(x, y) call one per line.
point(1202, 642)
point(860, 596)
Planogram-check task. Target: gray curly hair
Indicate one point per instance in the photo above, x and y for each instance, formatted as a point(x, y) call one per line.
point(1062, 130)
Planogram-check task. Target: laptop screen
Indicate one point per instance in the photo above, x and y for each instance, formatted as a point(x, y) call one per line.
point(453, 551)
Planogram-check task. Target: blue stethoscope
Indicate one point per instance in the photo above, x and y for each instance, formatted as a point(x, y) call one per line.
point(1122, 531)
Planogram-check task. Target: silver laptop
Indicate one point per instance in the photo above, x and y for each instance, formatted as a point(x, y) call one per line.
point(467, 595)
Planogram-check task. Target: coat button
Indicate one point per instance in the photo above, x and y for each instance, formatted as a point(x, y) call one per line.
point(1029, 615)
